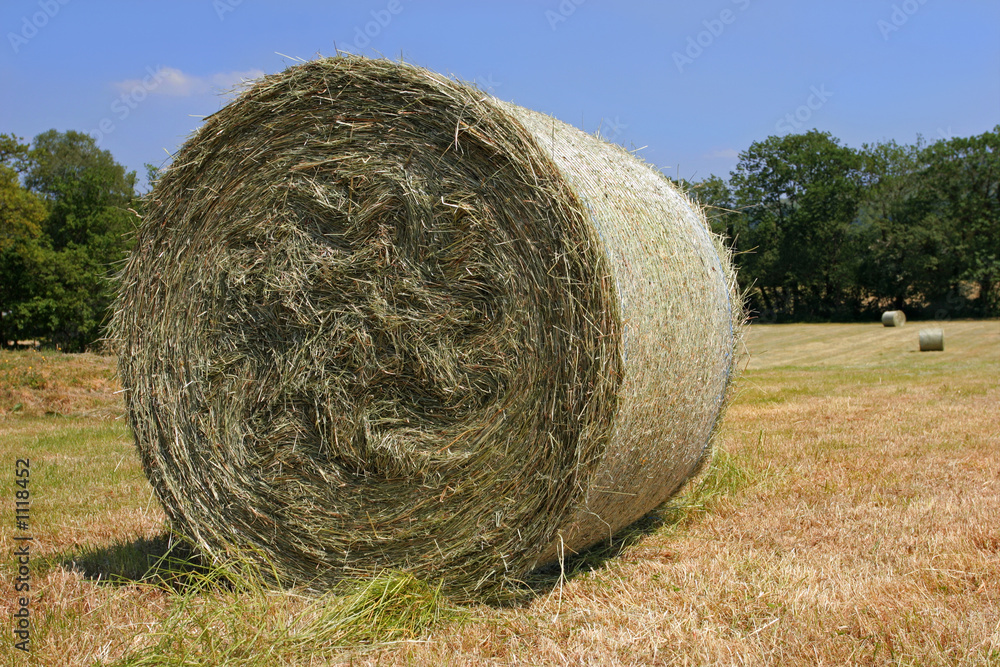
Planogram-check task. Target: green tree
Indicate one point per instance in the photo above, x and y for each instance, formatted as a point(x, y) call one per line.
point(716, 198)
point(22, 215)
point(64, 292)
point(82, 184)
point(963, 175)
point(931, 216)
point(798, 240)
point(905, 255)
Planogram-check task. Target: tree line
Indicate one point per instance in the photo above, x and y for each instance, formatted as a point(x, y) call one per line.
point(66, 217)
point(825, 232)
point(820, 231)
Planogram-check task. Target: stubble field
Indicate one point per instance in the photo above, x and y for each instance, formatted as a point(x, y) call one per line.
point(852, 516)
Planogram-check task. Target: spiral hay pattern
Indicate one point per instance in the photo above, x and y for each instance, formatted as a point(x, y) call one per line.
point(376, 318)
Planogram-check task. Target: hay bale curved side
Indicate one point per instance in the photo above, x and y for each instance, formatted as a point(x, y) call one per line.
point(682, 316)
point(931, 340)
point(373, 319)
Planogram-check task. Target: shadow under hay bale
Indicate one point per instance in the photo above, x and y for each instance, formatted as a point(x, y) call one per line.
point(552, 574)
point(164, 560)
point(376, 318)
point(893, 318)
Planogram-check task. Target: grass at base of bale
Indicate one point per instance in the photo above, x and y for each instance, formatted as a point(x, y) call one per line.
point(229, 616)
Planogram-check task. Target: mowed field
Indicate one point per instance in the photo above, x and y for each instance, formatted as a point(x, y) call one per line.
point(852, 516)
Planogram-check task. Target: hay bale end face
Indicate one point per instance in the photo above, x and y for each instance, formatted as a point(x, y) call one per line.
point(893, 318)
point(931, 340)
point(376, 318)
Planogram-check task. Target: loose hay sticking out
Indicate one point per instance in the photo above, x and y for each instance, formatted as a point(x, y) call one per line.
point(931, 340)
point(379, 319)
point(893, 318)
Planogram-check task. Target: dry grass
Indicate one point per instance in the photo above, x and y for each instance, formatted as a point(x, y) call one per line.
point(854, 519)
point(35, 383)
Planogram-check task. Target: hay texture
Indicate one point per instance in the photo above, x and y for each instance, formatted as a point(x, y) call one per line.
point(893, 318)
point(931, 340)
point(376, 318)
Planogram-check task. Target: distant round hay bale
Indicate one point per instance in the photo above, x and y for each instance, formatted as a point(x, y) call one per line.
point(376, 318)
point(893, 318)
point(931, 340)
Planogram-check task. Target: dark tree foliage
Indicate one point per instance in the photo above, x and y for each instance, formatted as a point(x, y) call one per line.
point(798, 196)
point(22, 244)
point(822, 231)
point(57, 285)
point(963, 179)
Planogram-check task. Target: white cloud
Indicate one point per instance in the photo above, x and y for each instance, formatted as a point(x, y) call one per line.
point(172, 82)
point(229, 80)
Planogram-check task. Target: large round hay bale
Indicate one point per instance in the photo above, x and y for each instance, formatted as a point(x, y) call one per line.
point(376, 318)
point(931, 340)
point(893, 318)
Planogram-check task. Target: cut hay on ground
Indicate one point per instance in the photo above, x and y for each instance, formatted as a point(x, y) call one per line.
point(379, 319)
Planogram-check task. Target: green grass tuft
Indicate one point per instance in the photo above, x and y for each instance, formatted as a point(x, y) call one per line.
point(391, 607)
point(228, 615)
point(724, 477)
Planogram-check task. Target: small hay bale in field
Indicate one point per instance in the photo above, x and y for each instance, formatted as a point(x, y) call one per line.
point(931, 340)
point(893, 318)
point(376, 318)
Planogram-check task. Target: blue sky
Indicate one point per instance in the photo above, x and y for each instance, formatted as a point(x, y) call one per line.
point(690, 83)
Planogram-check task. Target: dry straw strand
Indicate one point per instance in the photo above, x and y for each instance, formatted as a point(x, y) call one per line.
point(377, 319)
